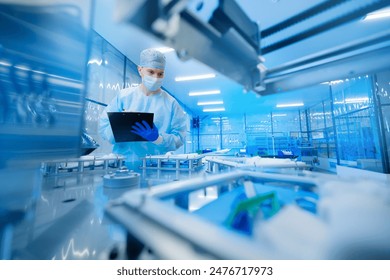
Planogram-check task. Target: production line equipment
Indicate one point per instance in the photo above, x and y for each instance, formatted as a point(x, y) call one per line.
point(107, 163)
point(257, 216)
point(173, 162)
point(42, 84)
point(217, 163)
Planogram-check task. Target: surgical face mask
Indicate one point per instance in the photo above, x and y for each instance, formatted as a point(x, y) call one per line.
point(152, 83)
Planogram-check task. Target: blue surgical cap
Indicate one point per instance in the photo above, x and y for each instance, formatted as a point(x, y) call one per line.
point(152, 58)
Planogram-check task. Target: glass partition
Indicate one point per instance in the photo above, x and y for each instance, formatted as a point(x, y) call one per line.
point(381, 84)
point(132, 77)
point(356, 126)
point(349, 127)
point(321, 130)
point(106, 78)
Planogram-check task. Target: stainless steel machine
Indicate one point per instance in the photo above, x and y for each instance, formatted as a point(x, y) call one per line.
point(231, 43)
point(43, 55)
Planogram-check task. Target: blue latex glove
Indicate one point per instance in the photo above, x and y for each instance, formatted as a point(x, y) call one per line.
point(145, 131)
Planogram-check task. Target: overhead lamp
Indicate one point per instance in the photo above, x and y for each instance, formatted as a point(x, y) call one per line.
point(279, 115)
point(165, 49)
point(289, 105)
point(22, 67)
point(195, 77)
point(218, 109)
point(219, 102)
point(5, 63)
point(382, 13)
point(208, 92)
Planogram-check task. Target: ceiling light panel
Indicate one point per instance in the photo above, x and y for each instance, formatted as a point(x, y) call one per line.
point(218, 102)
point(380, 14)
point(208, 92)
point(195, 77)
point(218, 109)
point(165, 49)
point(289, 105)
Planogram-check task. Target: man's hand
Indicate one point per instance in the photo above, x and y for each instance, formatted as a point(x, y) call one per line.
point(145, 131)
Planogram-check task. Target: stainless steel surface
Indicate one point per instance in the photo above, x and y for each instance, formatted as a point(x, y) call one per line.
point(122, 178)
point(68, 220)
point(43, 50)
point(217, 163)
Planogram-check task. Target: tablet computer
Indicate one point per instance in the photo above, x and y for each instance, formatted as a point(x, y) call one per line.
point(122, 122)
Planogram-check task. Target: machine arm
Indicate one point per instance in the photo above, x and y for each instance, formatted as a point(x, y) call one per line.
point(226, 39)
